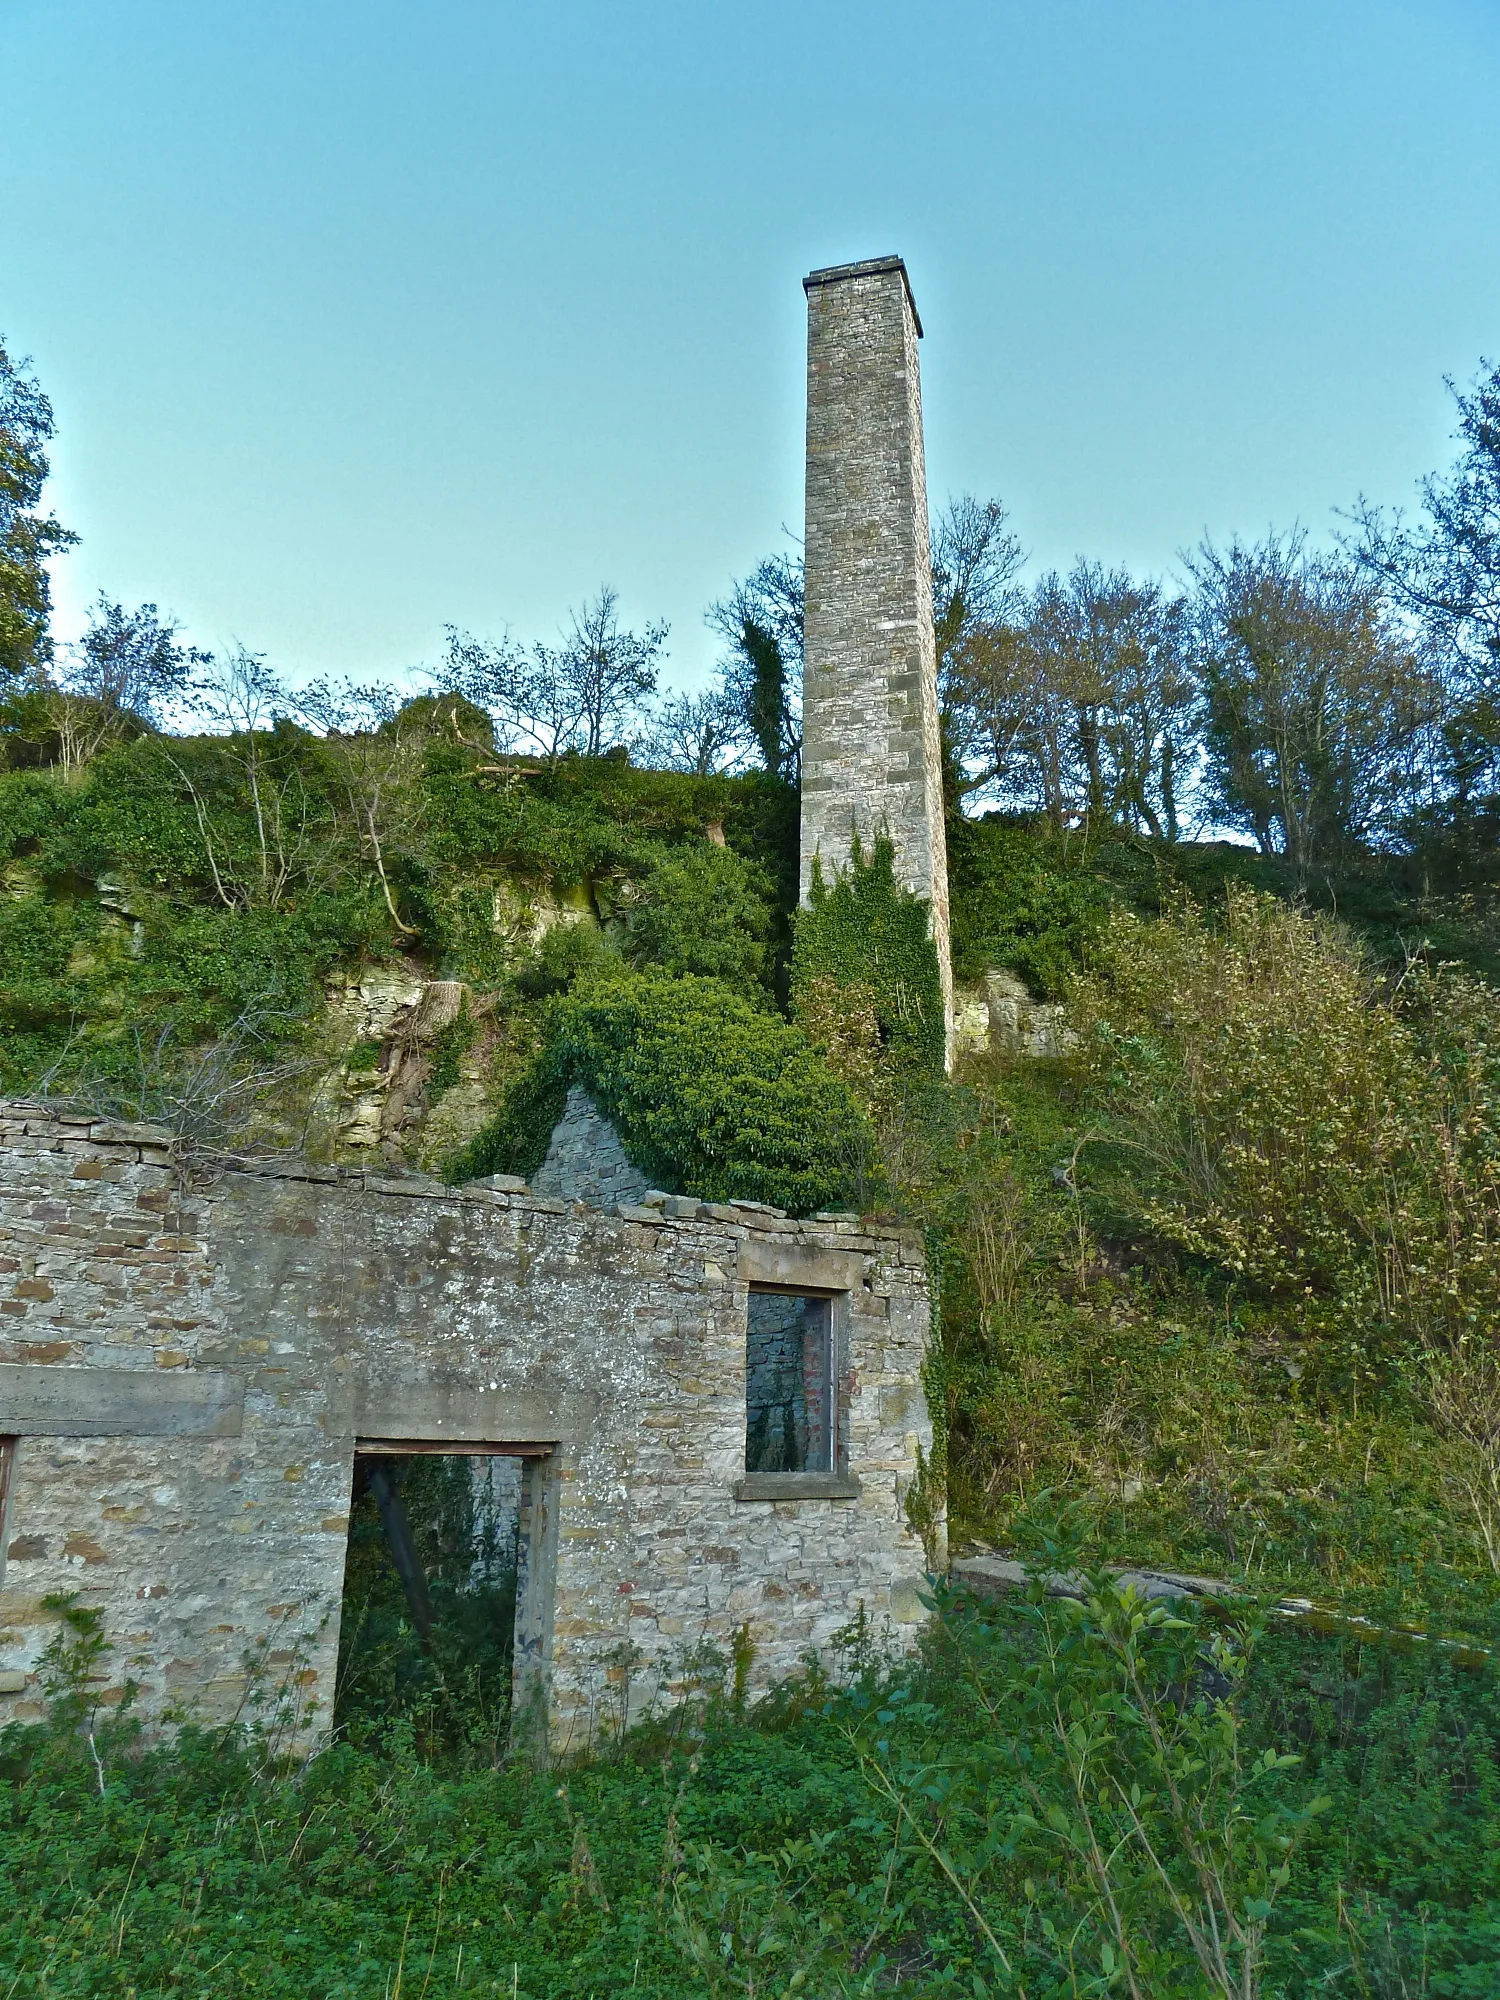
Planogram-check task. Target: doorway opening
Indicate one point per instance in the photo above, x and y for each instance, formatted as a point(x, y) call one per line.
point(427, 1635)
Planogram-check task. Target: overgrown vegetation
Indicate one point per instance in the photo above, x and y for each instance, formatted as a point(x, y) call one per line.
point(1220, 1281)
point(712, 1096)
point(446, 1690)
point(1062, 1798)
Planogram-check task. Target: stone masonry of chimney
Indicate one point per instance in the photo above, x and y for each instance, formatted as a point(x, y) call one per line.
point(871, 757)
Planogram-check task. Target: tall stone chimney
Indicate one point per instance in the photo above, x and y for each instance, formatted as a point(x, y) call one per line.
point(871, 757)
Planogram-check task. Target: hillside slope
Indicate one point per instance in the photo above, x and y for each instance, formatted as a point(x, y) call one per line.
point(368, 946)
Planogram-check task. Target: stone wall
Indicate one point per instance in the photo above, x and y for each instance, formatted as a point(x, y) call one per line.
point(586, 1160)
point(190, 1351)
point(871, 755)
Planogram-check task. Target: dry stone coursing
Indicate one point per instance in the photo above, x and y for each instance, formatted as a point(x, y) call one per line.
point(263, 1320)
point(586, 1160)
point(871, 755)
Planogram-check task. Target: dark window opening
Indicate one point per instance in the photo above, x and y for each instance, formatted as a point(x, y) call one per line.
point(429, 1611)
point(789, 1404)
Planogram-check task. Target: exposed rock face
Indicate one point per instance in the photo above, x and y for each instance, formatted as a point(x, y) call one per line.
point(586, 1160)
point(1002, 1015)
point(524, 912)
point(397, 1007)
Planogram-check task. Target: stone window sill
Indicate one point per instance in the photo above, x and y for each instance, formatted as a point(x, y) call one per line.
point(797, 1486)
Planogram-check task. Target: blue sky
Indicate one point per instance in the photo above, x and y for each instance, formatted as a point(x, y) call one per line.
point(363, 318)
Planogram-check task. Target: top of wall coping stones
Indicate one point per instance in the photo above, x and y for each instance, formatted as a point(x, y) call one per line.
point(120, 1132)
point(871, 267)
point(24, 1118)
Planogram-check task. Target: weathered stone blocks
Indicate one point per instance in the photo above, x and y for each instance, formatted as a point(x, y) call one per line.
point(290, 1312)
point(871, 754)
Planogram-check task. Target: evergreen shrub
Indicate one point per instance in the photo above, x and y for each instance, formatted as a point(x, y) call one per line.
point(706, 911)
point(711, 1096)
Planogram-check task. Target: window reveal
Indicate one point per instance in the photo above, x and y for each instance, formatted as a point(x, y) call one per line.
point(7, 1472)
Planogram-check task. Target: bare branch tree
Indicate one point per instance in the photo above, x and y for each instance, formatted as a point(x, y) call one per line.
point(693, 732)
point(378, 762)
point(551, 699)
point(211, 1093)
point(607, 670)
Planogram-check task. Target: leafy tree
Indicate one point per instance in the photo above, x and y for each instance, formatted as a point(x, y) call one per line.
point(123, 673)
point(975, 561)
point(1444, 571)
point(761, 622)
point(1134, 707)
point(1077, 701)
point(1316, 706)
point(28, 538)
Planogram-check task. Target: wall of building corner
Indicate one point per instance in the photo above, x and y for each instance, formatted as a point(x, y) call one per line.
point(190, 1350)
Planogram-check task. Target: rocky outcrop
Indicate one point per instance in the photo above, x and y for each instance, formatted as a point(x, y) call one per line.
point(1001, 1015)
point(390, 1016)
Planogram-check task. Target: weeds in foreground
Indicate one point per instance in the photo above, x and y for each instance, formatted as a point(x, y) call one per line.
point(1059, 1799)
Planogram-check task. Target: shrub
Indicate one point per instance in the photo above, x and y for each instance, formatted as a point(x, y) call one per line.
point(710, 1095)
point(708, 912)
point(1332, 1144)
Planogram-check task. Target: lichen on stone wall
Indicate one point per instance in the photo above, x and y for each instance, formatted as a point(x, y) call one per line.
point(337, 1304)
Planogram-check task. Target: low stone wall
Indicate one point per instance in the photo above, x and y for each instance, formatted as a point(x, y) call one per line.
point(190, 1351)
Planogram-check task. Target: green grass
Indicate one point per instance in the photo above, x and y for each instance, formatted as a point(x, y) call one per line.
point(747, 1854)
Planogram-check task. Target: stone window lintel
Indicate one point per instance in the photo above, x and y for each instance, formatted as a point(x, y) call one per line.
point(797, 1486)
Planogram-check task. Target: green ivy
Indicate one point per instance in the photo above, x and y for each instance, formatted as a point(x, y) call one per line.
point(449, 1047)
point(864, 929)
point(115, 933)
point(1020, 900)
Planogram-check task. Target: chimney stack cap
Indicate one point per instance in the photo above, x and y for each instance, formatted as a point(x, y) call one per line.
point(871, 267)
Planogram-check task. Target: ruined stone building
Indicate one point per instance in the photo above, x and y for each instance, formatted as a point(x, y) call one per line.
point(717, 1412)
